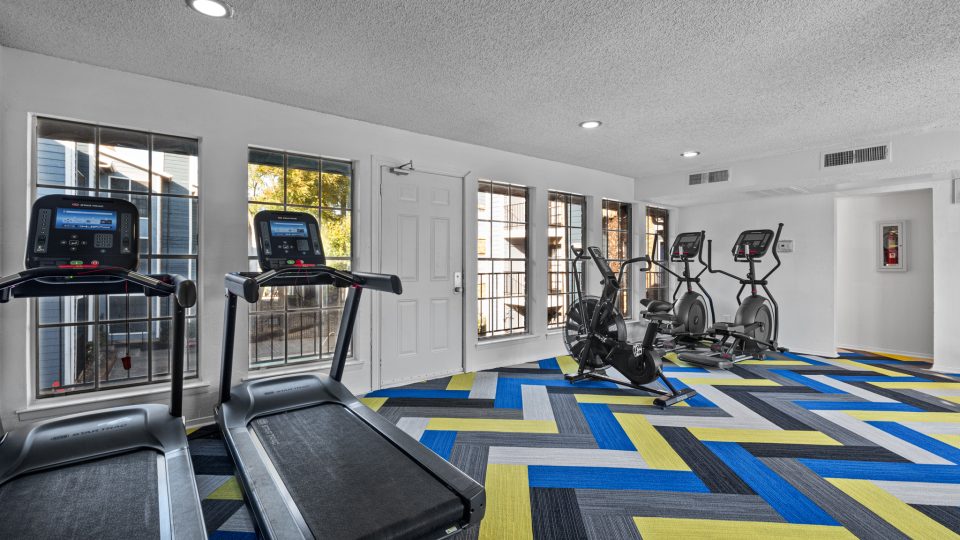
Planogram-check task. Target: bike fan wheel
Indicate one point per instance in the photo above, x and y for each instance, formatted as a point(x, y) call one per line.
point(576, 334)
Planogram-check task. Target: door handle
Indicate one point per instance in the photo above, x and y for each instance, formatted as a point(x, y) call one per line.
point(457, 282)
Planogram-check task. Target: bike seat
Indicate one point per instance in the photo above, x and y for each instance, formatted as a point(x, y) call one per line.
point(656, 306)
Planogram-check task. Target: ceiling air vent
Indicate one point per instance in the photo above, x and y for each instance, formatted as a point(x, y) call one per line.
point(719, 176)
point(860, 155)
point(709, 178)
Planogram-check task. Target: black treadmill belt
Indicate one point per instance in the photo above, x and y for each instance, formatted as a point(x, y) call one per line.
point(114, 497)
point(350, 482)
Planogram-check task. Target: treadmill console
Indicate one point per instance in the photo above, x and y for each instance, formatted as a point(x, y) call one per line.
point(83, 232)
point(752, 244)
point(602, 263)
point(686, 246)
point(287, 239)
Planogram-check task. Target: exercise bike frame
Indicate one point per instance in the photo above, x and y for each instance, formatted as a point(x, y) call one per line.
point(611, 289)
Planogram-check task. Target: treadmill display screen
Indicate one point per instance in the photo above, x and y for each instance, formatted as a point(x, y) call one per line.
point(87, 220)
point(288, 229)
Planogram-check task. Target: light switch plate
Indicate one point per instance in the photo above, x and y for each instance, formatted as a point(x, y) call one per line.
point(785, 246)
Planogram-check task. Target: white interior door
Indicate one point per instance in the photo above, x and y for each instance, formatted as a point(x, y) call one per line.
point(422, 243)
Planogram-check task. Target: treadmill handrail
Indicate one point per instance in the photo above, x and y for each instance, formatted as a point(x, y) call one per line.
point(247, 284)
point(182, 289)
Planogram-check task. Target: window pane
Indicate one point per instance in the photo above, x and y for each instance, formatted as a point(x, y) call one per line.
point(303, 181)
point(331, 324)
point(176, 225)
point(335, 231)
point(65, 154)
point(336, 185)
point(265, 177)
point(68, 309)
point(303, 343)
point(124, 162)
point(161, 340)
point(267, 332)
point(192, 347)
point(115, 307)
point(175, 165)
point(118, 341)
point(67, 359)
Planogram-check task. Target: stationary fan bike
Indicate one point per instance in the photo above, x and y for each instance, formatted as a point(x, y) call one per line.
point(596, 334)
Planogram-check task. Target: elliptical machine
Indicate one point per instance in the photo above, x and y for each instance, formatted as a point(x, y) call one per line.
point(596, 335)
point(756, 325)
point(689, 311)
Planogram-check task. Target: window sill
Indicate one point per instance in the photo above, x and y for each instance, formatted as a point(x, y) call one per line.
point(508, 340)
point(275, 371)
point(103, 396)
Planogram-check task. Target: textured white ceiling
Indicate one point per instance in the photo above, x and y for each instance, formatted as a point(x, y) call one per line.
point(732, 79)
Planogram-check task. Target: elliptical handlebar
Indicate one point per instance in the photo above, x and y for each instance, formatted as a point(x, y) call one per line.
point(710, 267)
point(773, 251)
point(652, 261)
point(623, 266)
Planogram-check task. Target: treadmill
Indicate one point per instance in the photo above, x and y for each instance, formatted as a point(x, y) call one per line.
point(314, 462)
point(122, 472)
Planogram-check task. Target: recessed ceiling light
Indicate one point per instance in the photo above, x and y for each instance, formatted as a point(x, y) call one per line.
point(690, 153)
point(212, 8)
point(590, 124)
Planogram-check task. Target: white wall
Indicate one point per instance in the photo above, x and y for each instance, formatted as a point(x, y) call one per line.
point(885, 311)
point(803, 285)
point(227, 124)
point(946, 290)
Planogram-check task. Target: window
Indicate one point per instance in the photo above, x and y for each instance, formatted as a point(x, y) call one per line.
point(81, 340)
point(502, 248)
point(299, 324)
point(658, 246)
point(616, 242)
point(565, 226)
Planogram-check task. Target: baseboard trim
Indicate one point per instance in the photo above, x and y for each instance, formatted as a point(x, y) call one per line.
point(881, 350)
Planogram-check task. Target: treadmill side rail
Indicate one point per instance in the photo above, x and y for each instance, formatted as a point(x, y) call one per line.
point(270, 502)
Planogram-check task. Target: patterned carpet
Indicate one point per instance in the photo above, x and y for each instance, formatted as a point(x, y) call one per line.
point(792, 447)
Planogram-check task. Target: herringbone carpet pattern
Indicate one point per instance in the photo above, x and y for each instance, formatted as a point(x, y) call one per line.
point(792, 447)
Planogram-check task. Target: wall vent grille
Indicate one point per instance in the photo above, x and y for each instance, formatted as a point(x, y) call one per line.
point(860, 155)
point(719, 176)
point(709, 177)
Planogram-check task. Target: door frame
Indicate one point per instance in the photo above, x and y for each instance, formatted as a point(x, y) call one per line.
point(376, 218)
